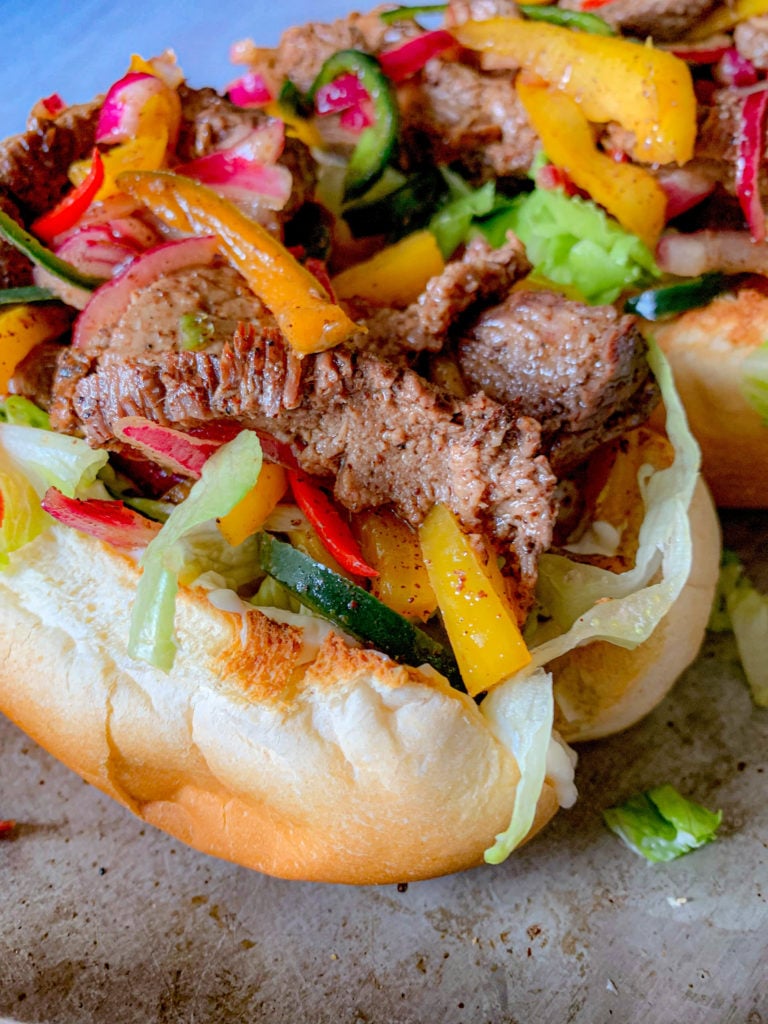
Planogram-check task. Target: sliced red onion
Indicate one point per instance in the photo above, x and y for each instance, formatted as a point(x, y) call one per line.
point(173, 449)
point(685, 188)
point(731, 252)
point(749, 159)
point(247, 168)
point(342, 93)
point(110, 521)
point(121, 110)
point(95, 250)
point(125, 220)
point(250, 90)
point(239, 178)
point(110, 301)
point(733, 69)
point(411, 56)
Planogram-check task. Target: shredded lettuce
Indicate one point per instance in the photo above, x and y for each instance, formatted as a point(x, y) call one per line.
point(741, 607)
point(226, 478)
point(588, 603)
point(572, 242)
point(451, 224)
point(49, 459)
point(21, 516)
point(755, 381)
point(661, 825)
point(520, 713)
point(20, 411)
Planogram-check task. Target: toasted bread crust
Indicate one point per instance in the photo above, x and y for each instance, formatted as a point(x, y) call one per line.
point(706, 349)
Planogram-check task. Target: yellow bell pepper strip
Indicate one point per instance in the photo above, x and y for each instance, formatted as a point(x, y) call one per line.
point(250, 513)
point(647, 90)
point(144, 153)
point(481, 625)
point(24, 327)
point(392, 547)
point(628, 192)
point(394, 276)
point(310, 321)
point(725, 16)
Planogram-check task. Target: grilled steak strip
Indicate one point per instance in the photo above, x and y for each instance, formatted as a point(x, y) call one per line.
point(580, 370)
point(384, 434)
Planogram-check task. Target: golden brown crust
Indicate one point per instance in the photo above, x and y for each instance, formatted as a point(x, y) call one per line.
point(332, 764)
point(706, 349)
point(360, 771)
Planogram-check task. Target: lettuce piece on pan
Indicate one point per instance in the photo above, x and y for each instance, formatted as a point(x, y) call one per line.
point(661, 825)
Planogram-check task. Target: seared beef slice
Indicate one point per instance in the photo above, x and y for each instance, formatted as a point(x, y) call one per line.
point(581, 371)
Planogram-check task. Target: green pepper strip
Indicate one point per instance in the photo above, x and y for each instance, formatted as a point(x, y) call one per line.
point(579, 20)
point(377, 142)
point(656, 303)
point(34, 250)
point(354, 609)
point(409, 13)
point(29, 293)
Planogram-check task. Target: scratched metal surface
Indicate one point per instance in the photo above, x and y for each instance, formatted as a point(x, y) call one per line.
point(104, 920)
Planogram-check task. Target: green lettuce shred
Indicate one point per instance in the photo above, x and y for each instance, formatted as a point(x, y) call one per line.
point(226, 478)
point(49, 459)
point(452, 223)
point(520, 713)
point(572, 242)
point(661, 825)
point(23, 413)
point(742, 608)
point(588, 603)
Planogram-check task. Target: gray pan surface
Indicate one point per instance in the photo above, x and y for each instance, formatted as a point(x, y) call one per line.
point(105, 920)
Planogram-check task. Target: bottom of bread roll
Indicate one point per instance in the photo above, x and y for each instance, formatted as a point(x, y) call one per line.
point(320, 761)
point(601, 689)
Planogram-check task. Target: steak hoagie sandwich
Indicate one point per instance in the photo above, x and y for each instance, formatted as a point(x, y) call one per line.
point(324, 532)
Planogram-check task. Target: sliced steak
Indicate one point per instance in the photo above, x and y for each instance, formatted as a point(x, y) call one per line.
point(751, 39)
point(381, 432)
point(33, 377)
point(34, 165)
point(15, 268)
point(454, 113)
point(665, 20)
point(580, 370)
point(481, 275)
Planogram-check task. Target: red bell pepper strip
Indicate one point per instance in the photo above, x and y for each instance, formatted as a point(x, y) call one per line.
point(410, 57)
point(53, 104)
point(71, 208)
point(111, 521)
point(700, 54)
point(330, 526)
point(592, 5)
point(749, 157)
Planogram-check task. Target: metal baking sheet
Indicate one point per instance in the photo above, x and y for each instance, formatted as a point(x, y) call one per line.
point(104, 919)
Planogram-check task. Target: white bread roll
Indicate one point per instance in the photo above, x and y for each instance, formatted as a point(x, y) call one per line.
point(706, 349)
point(601, 689)
point(345, 769)
point(342, 768)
